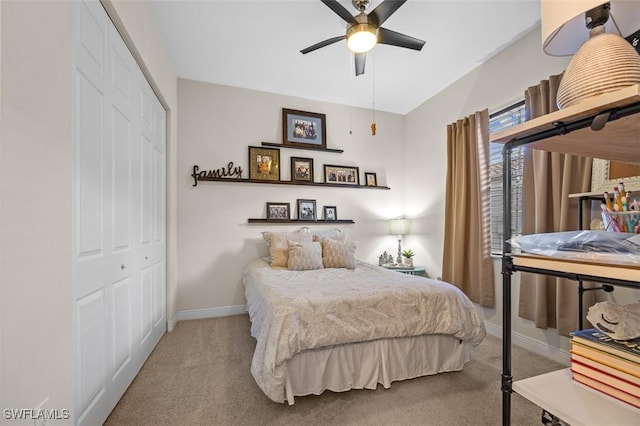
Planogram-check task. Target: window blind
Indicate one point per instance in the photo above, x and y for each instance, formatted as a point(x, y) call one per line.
point(499, 120)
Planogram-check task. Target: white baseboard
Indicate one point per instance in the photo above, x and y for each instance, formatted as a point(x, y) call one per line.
point(535, 346)
point(224, 311)
point(171, 324)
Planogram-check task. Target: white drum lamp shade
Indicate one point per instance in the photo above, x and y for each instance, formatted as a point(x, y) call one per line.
point(398, 227)
point(604, 61)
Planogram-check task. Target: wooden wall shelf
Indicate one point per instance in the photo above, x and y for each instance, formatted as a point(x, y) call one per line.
point(283, 182)
point(282, 145)
point(309, 222)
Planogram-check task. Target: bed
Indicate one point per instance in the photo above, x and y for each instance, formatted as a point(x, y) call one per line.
point(339, 328)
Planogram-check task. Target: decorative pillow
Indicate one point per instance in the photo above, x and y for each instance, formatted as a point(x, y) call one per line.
point(338, 236)
point(335, 234)
point(304, 256)
point(338, 254)
point(278, 247)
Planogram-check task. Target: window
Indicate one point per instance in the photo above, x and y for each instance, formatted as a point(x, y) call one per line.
point(500, 120)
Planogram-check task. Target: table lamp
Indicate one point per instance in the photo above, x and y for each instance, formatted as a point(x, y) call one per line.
point(592, 29)
point(399, 227)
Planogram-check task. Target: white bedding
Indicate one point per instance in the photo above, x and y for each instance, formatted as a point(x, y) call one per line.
point(293, 311)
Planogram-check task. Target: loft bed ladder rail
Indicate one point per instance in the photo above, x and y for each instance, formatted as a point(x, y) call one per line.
point(596, 122)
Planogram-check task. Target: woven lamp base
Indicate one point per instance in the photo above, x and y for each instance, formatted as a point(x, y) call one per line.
point(604, 63)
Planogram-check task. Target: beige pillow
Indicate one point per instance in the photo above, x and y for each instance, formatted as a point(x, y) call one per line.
point(339, 236)
point(338, 254)
point(278, 245)
point(335, 234)
point(304, 256)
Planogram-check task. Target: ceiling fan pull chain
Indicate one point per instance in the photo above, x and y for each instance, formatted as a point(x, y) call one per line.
point(373, 106)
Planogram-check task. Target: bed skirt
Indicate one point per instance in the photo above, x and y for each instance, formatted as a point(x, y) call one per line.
point(365, 364)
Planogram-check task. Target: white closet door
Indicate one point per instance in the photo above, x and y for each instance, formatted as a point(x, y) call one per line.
point(151, 174)
point(119, 187)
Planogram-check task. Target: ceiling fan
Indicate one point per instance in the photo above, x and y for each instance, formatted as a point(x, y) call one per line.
point(364, 31)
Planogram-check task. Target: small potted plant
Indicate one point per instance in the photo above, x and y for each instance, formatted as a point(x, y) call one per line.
point(408, 255)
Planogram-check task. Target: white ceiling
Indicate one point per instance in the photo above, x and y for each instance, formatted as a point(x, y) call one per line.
point(255, 44)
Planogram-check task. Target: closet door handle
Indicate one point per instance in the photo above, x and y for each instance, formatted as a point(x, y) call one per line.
point(123, 267)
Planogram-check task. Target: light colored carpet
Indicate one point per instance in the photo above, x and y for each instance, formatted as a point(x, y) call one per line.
point(199, 374)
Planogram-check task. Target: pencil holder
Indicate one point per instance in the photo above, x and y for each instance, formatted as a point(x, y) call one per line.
point(628, 221)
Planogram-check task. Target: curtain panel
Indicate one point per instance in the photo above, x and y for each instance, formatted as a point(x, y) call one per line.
point(466, 256)
point(548, 179)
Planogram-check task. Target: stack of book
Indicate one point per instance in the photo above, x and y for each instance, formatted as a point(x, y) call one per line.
point(607, 365)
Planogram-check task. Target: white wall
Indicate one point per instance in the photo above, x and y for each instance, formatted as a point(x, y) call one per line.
point(36, 308)
point(216, 126)
point(35, 167)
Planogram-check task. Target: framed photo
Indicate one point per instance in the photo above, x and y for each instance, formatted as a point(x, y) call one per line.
point(606, 174)
point(370, 179)
point(341, 175)
point(301, 169)
point(330, 213)
point(278, 211)
point(264, 163)
point(303, 129)
point(307, 210)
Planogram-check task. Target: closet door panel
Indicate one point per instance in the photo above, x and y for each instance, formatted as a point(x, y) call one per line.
point(158, 195)
point(146, 304)
point(91, 353)
point(91, 40)
point(146, 188)
point(90, 168)
point(122, 333)
point(121, 193)
point(158, 294)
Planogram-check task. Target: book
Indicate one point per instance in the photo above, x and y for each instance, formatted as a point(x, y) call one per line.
point(627, 349)
point(624, 374)
point(606, 358)
point(606, 378)
point(607, 390)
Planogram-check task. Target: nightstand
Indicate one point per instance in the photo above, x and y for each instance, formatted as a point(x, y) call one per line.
point(416, 270)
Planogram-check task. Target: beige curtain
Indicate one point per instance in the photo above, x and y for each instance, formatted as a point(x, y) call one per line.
point(549, 178)
point(467, 233)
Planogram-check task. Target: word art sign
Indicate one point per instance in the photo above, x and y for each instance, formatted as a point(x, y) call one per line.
point(230, 171)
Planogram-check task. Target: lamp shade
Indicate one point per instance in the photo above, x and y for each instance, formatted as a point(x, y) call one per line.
point(604, 61)
point(563, 25)
point(398, 226)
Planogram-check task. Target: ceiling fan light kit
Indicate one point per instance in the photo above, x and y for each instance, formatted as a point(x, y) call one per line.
point(361, 38)
point(364, 30)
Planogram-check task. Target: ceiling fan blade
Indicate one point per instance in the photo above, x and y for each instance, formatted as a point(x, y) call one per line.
point(383, 11)
point(340, 10)
point(393, 38)
point(322, 44)
point(360, 59)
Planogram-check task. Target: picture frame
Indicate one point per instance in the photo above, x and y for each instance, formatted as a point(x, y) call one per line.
point(306, 210)
point(330, 213)
point(264, 164)
point(301, 169)
point(606, 174)
point(370, 179)
point(278, 211)
point(341, 175)
point(303, 129)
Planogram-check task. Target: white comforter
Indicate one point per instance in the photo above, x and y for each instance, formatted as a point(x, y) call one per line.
point(293, 311)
